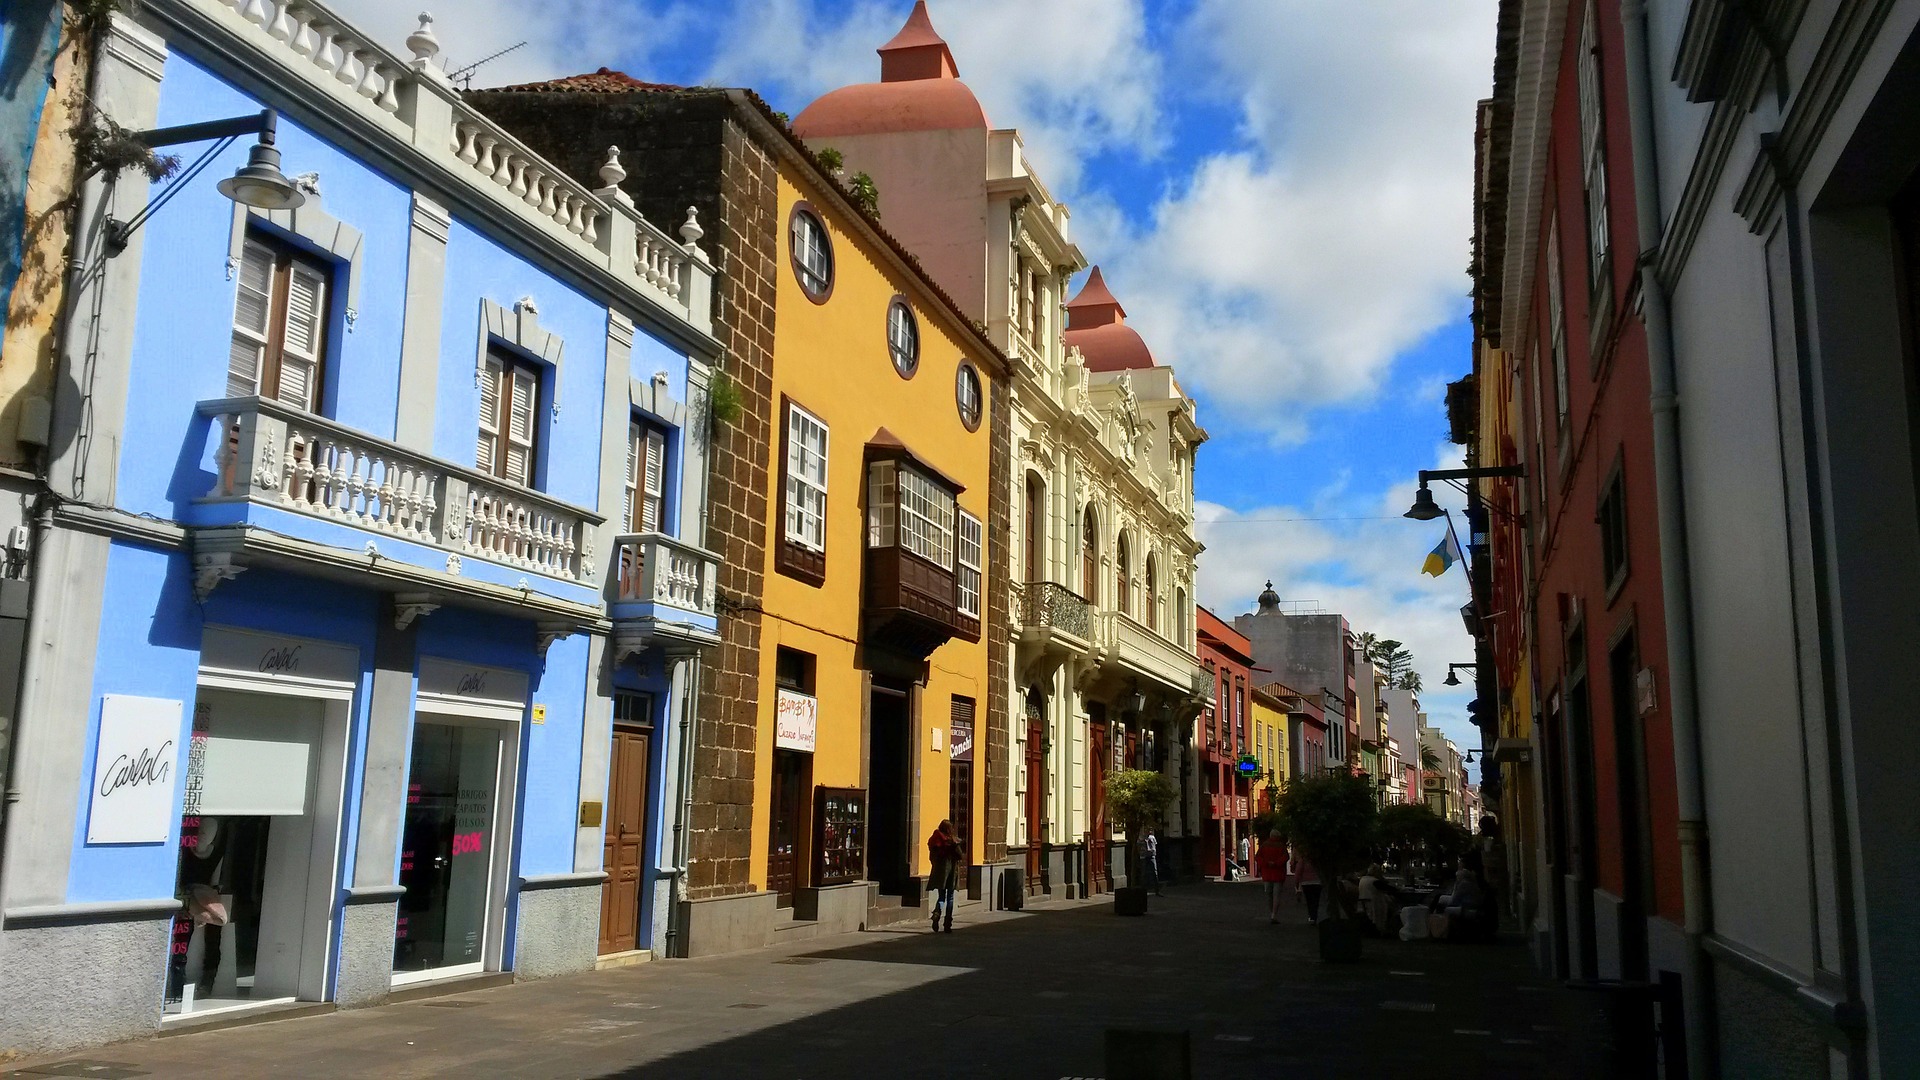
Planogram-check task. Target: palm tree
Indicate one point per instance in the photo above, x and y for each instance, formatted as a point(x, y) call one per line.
point(1429, 760)
point(1410, 681)
point(1365, 643)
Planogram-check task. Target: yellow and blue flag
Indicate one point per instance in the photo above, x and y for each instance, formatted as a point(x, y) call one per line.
point(1443, 555)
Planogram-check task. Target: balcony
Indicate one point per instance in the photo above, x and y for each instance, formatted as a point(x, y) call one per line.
point(293, 487)
point(1055, 626)
point(911, 604)
point(1133, 651)
point(663, 595)
point(1205, 684)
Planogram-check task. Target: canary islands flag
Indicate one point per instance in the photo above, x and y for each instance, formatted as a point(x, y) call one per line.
point(1443, 556)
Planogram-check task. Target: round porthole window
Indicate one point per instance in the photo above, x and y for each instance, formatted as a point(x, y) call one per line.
point(903, 338)
point(812, 253)
point(966, 394)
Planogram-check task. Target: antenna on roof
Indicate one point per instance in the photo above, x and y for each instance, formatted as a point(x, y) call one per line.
point(465, 74)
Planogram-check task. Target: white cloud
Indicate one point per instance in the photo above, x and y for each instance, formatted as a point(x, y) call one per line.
point(1290, 270)
point(1366, 569)
point(554, 37)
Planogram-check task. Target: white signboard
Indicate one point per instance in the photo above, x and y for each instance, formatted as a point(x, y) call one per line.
point(795, 718)
point(134, 771)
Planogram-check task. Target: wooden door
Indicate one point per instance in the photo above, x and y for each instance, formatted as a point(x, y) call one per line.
point(1035, 507)
point(626, 831)
point(1036, 796)
point(1099, 760)
point(787, 829)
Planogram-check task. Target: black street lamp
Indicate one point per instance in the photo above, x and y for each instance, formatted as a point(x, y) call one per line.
point(259, 183)
point(1425, 509)
point(1453, 675)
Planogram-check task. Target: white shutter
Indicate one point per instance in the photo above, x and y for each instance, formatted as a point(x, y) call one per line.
point(252, 304)
point(300, 351)
point(634, 437)
point(489, 416)
point(520, 420)
point(653, 495)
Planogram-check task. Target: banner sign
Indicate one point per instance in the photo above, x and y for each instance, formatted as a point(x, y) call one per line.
point(795, 719)
point(960, 740)
point(134, 776)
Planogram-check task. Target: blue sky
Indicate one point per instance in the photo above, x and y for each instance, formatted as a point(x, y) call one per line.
point(1277, 190)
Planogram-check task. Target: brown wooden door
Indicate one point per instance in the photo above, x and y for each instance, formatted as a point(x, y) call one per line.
point(787, 827)
point(1099, 760)
point(1036, 796)
point(626, 831)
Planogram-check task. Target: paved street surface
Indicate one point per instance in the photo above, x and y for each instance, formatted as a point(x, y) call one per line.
point(1014, 996)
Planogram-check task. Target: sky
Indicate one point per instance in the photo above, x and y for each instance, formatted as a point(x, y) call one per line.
point(1278, 191)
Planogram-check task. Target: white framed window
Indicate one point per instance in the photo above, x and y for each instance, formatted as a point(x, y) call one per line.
point(926, 517)
point(966, 395)
point(806, 510)
point(509, 418)
point(967, 568)
point(903, 338)
point(1593, 150)
point(646, 490)
point(812, 253)
point(279, 326)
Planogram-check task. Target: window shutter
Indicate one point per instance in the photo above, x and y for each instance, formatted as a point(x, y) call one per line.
point(489, 416)
point(634, 437)
point(520, 420)
point(653, 496)
point(300, 352)
point(252, 305)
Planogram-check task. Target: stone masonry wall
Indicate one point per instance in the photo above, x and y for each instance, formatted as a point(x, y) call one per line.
point(999, 625)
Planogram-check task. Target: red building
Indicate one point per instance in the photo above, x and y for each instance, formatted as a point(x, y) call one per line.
point(1567, 561)
point(1225, 802)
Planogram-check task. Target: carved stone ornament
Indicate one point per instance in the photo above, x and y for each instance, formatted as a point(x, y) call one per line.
point(546, 633)
point(611, 173)
point(410, 606)
point(212, 569)
point(422, 43)
point(453, 565)
point(268, 474)
point(690, 230)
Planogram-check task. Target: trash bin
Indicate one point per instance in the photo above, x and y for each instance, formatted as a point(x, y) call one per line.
point(1013, 889)
point(1627, 1009)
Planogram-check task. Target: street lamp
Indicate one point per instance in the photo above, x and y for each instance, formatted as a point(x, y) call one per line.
point(1425, 509)
point(1453, 675)
point(259, 183)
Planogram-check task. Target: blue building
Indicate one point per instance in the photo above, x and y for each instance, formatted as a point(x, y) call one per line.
point(367, 593)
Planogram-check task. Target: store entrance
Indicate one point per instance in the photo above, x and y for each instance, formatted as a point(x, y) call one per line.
point(255, 866)
point(889, 764)
point(448, 849)
point(626, 833)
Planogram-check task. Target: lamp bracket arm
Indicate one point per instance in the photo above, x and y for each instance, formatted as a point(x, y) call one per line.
point(262, 123)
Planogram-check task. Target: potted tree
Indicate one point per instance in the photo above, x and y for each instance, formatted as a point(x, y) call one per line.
point(1331, 820)
point(1136, 798)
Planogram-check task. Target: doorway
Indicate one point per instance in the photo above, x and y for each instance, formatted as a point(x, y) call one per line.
point(791, 811)
point(1099, 760)
point(960, 774)
point(890, 787)
point(1036, 791)
point(258, 827)
point(629, 793)
point(1636, 815)
point(450, 843)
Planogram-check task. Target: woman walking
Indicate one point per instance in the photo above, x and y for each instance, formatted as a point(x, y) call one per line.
point(1308, 879)
point(944, 855)
point(1272, 864)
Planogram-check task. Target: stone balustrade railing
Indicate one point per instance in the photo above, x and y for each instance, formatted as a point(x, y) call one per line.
point(656, 568)
point(281, 457)
point(305, 44)
point(1045, 604)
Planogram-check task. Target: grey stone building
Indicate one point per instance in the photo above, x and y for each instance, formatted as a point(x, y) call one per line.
point(1313, 654)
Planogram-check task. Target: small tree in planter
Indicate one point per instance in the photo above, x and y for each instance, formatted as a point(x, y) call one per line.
point(1136, 798)
point(1331, 819)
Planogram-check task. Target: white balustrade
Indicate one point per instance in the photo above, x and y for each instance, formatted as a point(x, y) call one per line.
point(656, 568)
point(292, 460)
point(324, 40)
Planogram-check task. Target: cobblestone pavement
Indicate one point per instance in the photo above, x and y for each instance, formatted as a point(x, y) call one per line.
point(1008, 995)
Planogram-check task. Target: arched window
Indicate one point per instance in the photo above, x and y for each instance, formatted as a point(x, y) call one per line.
point(1035, 554)
point(1122, 578)
point(1180, 618)
point(1153, 596)
point(1090, 557)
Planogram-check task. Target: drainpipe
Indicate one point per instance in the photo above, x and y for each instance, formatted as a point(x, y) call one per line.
point(689, 724)
point(1675, 569)
point(39, 627)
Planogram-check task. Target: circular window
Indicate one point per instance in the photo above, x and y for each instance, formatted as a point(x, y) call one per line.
point(903, 337)
point(812, 253)
point(966, 393)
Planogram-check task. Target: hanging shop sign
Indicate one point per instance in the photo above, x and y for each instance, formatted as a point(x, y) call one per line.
point(796, 719)
point(135, 771)
point(960, 741)
point(453, 686)
point(277, 658)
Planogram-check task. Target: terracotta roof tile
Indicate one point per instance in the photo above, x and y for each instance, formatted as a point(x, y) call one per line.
point(604, 81)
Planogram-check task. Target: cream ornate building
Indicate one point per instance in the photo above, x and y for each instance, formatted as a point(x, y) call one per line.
point(1099, 455)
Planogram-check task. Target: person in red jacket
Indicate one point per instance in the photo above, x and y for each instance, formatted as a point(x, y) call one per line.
point(1272, 865)
point(944, 856)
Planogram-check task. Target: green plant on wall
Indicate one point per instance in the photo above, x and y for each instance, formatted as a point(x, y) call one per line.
point(866, 193)
point(724, 401)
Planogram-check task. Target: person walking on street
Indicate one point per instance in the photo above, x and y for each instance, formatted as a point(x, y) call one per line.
point(1151, 849)
point(943, 854)
point(1309, 881)
point(1272, 864)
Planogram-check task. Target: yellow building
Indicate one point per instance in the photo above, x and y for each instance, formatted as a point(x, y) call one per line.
point(876, 556)
point(1268, 731)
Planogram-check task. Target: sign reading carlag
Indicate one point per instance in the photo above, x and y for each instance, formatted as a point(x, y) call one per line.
point(134, 775)
point(795, 718)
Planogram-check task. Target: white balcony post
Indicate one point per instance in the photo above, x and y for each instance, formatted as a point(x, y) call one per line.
point(450, 531)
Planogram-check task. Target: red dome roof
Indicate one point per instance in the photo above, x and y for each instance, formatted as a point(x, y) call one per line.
point(1097, 326)
point(919, 90)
